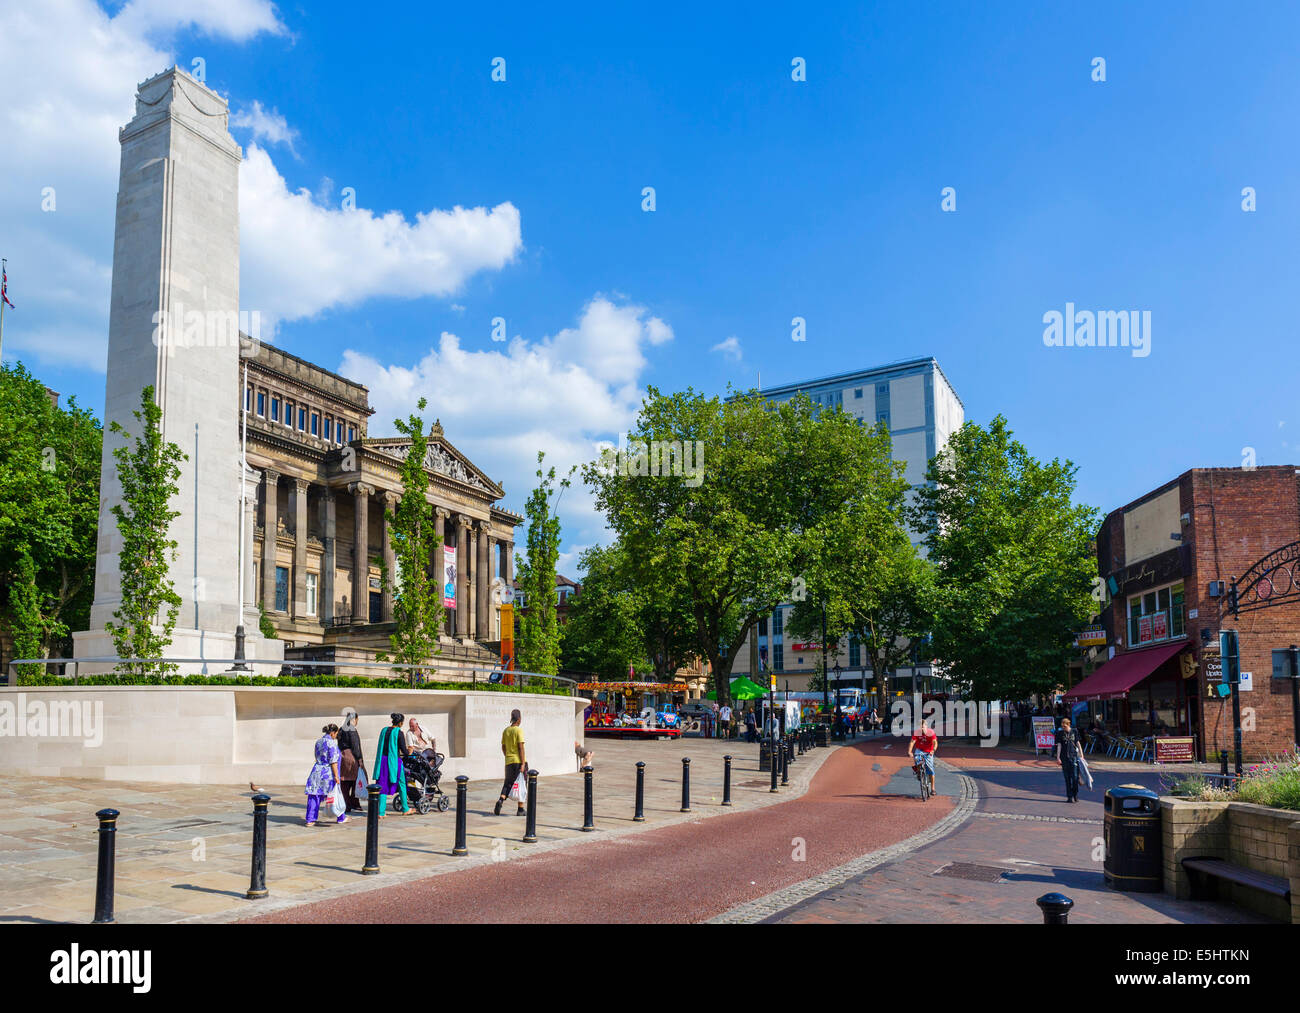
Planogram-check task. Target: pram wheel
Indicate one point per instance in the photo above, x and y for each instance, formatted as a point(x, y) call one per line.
point(444, 803)
point(424, 805)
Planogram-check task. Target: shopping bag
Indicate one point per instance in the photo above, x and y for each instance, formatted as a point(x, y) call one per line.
point(362, 790)
point(519, 790)
point(1085, 773)
point(340, 803)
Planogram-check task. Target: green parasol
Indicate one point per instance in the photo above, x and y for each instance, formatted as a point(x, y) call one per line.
point(742, 689)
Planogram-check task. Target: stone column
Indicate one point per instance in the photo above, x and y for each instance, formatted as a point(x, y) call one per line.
point(462, 576)
point(270, 525)
point(483, 584)
point(300, 486)
point(508, 563)
point(439, 540)
point(391, 499)
point(329, 557)
point(361, 551)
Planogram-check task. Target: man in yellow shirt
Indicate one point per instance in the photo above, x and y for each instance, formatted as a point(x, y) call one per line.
point(512, 747)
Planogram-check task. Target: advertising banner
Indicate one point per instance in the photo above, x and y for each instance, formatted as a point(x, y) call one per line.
point(1044, 727)
point(449, 576)
point(1176, 749)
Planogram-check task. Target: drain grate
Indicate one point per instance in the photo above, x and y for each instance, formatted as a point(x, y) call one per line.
point(967, 870)
point(766, 783)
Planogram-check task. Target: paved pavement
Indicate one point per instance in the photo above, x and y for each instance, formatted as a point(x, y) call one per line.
point(183, 851)
point(688, 872)
point(1023, 840)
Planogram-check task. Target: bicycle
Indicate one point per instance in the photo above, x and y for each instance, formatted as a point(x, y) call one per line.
point(923, 776)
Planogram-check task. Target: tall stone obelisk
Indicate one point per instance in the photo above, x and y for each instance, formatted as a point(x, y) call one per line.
point(173, 324)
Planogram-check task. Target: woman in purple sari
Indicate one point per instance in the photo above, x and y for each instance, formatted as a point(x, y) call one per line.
point(324, 776)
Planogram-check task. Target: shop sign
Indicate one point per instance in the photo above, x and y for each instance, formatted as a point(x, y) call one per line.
point(1091, 636)
point(1176, 749)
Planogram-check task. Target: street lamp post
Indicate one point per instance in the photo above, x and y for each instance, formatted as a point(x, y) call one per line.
point(824, 703)
point(837, 670)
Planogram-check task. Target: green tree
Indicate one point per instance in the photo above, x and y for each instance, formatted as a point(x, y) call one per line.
point(866, 572)
point(417, 600)
point(49, 512)
point(731, 534)
point(616, 621)
point(1013, 563)
point(538, 649)
point(147, 474)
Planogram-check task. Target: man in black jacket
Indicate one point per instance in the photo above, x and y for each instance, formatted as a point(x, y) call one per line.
point(1067, 752)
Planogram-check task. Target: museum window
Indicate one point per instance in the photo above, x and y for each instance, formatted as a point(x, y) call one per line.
point(275, 409)
point(352, 433)
point(248, 399)
point(1156, 616)
point(282, 589)
point(288, 414)
point(261, 403)
point(329, 429)
point(311, 594)
point(302, 420)
point(315, 423)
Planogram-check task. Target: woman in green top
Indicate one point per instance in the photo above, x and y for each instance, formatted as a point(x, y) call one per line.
point(390, 771)
point(512, 747)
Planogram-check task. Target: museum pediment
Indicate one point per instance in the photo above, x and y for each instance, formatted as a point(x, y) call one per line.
point(440, 458)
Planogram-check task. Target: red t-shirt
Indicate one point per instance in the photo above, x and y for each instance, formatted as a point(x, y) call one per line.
point(925, 741)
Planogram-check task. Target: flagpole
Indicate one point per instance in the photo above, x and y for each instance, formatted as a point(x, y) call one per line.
point(3, 271)
point(243, 514)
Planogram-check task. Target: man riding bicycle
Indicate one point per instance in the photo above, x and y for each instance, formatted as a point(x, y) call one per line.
point(921, 749)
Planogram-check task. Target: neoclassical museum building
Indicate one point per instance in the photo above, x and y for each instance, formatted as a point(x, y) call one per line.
point(318, 526)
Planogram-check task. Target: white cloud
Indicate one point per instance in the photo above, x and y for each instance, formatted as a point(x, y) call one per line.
point(298, 257)
point(730, 348)
point(565, 393)
point(271, 126)
point(59, 139)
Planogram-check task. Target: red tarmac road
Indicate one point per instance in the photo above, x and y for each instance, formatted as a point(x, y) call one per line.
point(683, 873)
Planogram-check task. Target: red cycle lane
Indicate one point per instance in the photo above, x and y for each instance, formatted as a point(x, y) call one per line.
point(683, 873)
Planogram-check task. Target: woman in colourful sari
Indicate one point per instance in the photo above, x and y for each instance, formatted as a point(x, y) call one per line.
point(324, 776)
point(390, 771)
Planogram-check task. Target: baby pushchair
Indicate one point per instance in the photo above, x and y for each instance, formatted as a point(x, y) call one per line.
point(422, 778)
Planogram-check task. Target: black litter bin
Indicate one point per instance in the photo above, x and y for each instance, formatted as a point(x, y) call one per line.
point(765, 755)
point(1133, 844)
point(821, 736)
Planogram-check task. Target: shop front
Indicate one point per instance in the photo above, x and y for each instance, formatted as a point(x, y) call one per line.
point(1143, 694)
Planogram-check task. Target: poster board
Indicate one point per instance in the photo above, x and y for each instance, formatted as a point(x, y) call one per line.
point(1175, 749)
point(1043, 727)
point(448, 577)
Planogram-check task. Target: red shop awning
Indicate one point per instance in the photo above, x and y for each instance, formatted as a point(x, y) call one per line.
point(1119, 675)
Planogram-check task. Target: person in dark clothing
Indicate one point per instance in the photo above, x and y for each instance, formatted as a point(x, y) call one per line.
point(751, 726)
point(352, 761)
point(1067, 753)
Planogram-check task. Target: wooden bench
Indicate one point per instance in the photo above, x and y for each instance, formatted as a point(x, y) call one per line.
point(1217, 868)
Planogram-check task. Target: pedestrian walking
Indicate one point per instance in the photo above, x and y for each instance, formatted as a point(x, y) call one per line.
point(390, 766)
point(751, 726)
point(351, 761)
point(1067, 753)
point(512, 748)
point(724, 721)
point(324, 776)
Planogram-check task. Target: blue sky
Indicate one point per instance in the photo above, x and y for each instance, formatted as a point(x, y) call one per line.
point(774, 199)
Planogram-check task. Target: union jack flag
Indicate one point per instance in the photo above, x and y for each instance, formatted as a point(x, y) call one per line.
point(4, 288)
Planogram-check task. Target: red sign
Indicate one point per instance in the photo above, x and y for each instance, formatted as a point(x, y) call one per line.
point(1144, 630)
point(1180, 749)
point(805, 646)
point(1160, 625)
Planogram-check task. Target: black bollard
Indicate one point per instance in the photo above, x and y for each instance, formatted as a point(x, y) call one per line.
point(785, 763)
point(104, 876)
point(789, 748)
point(462, 801)
point(371, 868)
point(1223, 765)
point(1055, 908)
point(588, 815)
point(639, 815)
point(257, 879)
point(776, 763)
point(686, 784)
point(726, 780)
point(530, 829)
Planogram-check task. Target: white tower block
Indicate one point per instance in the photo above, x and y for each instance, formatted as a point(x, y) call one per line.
point(173, 324)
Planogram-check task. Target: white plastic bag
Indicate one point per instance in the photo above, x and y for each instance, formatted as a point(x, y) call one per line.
point(362, 789)
point(519, 790)
point(340, 803)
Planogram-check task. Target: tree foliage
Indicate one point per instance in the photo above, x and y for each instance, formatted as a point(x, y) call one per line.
point(147, 473)
point(538, 649)
point(417, 598)
point(49, 512)
point(731, 540)
point(1013, 562)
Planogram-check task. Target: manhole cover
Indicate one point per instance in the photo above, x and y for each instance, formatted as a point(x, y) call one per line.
point(756, 784)
point(966, 870)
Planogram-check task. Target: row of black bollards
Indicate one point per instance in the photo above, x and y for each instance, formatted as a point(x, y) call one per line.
point(105, 873)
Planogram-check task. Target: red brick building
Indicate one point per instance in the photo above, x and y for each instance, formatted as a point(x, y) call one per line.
point(1158, 557)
